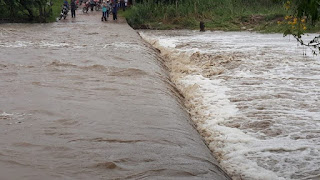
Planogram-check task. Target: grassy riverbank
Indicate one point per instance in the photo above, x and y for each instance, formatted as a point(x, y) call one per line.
point(227, 15)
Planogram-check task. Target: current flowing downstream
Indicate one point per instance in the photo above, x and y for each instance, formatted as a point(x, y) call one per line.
point(83, 99)
point(254, 98)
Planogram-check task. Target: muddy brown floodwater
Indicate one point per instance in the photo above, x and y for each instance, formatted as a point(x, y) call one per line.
point(85, 99)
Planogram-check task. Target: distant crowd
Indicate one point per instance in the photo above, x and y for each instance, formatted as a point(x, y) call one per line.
point(107, 7)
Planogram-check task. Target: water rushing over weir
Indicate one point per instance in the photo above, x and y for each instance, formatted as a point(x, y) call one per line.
point(82, 99)
point(254, 97)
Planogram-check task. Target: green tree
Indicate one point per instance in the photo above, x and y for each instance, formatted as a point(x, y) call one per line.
point(300, 13)
point(30, 10)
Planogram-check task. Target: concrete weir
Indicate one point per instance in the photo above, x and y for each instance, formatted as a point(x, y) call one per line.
point(85, 99)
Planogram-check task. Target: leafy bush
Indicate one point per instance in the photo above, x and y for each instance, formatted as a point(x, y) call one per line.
point(29, 10)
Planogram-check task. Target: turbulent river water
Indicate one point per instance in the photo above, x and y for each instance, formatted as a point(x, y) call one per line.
point(85, 99)
point(254, 97)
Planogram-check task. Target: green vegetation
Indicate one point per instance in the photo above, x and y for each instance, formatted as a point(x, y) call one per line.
point(217, 14)
point(29, 10)
point(303, 16)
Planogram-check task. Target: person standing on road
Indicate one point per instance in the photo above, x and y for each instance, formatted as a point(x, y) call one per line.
point(115, 10)
point(92, 4)
point(123, 5)
point(73, 9)
point(104, 11)
point(108, 8)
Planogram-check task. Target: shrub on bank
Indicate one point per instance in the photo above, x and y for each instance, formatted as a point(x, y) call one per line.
point(29, 10)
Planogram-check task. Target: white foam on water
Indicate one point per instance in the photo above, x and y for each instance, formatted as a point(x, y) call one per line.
point(124, 45)
point(16, 44)
point(24, 44)
point(254, 98)
point(4, 114)
point(53, 44)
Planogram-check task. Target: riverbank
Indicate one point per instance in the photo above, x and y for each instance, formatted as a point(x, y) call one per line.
point(85, 99)
point(226, 15)
point(229, 15)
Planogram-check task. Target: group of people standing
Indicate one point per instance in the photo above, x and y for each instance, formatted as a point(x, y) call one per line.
point(107, 7)
point(112, 6)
